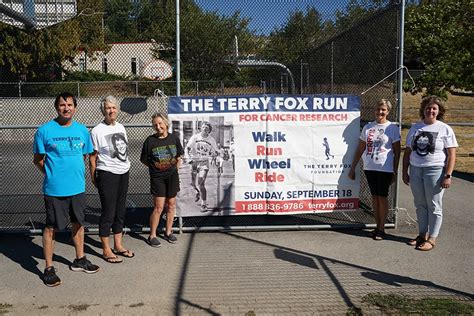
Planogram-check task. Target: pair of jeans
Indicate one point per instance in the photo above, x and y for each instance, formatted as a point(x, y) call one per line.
point(425, 184)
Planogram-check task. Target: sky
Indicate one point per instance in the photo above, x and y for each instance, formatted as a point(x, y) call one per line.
point(266, 15)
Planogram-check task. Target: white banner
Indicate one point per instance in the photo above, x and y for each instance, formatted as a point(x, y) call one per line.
point(266, 154)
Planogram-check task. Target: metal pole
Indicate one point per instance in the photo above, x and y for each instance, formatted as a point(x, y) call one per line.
point(332, 67)
point(400, 88)
point(178, 56)
point(301, 76)
point(307, 77)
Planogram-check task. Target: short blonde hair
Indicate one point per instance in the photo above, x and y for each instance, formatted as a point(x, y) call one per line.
point(163, 117)
point(384, 102)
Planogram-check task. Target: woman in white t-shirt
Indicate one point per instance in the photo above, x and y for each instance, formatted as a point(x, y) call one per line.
point(428, 164)
point(109, 167)
point(379, 147)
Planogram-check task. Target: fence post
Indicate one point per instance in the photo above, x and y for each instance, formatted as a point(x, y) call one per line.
point(136, 88)
point(332, 67)
point(78, 89)
point(263, 85)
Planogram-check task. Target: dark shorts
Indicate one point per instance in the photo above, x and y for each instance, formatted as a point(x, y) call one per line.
point(165, 186)
point(61, 209)
point(379, 182)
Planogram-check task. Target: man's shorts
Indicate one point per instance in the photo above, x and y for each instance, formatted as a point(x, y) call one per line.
point(379, 182)
point(165, 186)
point(61, 209)
point(200, 165)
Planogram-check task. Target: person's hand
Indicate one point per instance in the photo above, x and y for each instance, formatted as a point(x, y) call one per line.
point(406, 178)
point(446, 183)
point(93, 180)
point(351, 174)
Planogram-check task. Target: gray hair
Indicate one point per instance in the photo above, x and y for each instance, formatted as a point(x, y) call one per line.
point(386, 103)
point(108, 99)
point(163, 117)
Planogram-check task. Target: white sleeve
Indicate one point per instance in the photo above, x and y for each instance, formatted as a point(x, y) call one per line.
point(395, 133)
point(450, 138)
point(410, 135)
point(362, 136)
point(95, 141)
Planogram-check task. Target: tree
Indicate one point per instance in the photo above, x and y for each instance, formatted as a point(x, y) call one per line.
point(439, 35)
point(288, 44)
point(38, 55)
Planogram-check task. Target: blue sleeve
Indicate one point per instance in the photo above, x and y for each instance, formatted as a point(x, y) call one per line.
point(38, 144)
point(88, 146)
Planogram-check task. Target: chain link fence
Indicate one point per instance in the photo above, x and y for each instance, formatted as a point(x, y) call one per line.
point(311, 47)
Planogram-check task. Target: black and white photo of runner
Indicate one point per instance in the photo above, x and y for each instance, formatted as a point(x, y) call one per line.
point(207, 173)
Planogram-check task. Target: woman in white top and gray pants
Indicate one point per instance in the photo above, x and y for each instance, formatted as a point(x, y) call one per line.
point(428, 165)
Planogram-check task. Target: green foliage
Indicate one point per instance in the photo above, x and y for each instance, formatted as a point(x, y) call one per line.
point(92, 75)
point(38, 55)
point(121, 23)
point(405, 305)
point(302, 31)
point(439, 34)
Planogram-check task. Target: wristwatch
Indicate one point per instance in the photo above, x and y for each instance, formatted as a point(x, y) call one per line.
point(448, 176)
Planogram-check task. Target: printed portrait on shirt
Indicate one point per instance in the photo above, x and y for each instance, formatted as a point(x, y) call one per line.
point(118, 146)
point(424, 143)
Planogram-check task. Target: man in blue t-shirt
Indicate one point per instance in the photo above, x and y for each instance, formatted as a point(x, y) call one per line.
point(60, 148)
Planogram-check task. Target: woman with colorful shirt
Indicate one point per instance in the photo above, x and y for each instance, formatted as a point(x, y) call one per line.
point(161, 153)
point(379, 147)
point(428, 164)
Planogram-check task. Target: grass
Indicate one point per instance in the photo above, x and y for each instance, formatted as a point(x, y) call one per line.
point(460, 110)
point(405, 305)
point(137, 305)
point(4, 308)
point(79, 307)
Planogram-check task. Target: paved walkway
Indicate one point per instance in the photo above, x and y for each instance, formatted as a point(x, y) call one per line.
point(247, 273)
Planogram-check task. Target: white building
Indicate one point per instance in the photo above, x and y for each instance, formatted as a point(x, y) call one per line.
point(124, 59)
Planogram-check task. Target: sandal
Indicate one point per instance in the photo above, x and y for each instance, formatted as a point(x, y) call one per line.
point(124, 253)
point(372, 233)
point(424, 244)
point(113, 259)
point(379, 235)
point(417, 241)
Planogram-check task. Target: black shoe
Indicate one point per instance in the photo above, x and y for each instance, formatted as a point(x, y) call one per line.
point(50, 278)
point(154, 242)
point(84, 265)
point(171, 238)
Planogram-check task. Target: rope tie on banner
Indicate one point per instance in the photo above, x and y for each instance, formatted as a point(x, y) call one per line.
point(401, 67)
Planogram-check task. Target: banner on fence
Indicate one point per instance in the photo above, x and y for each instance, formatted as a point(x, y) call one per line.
point(266, 154)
